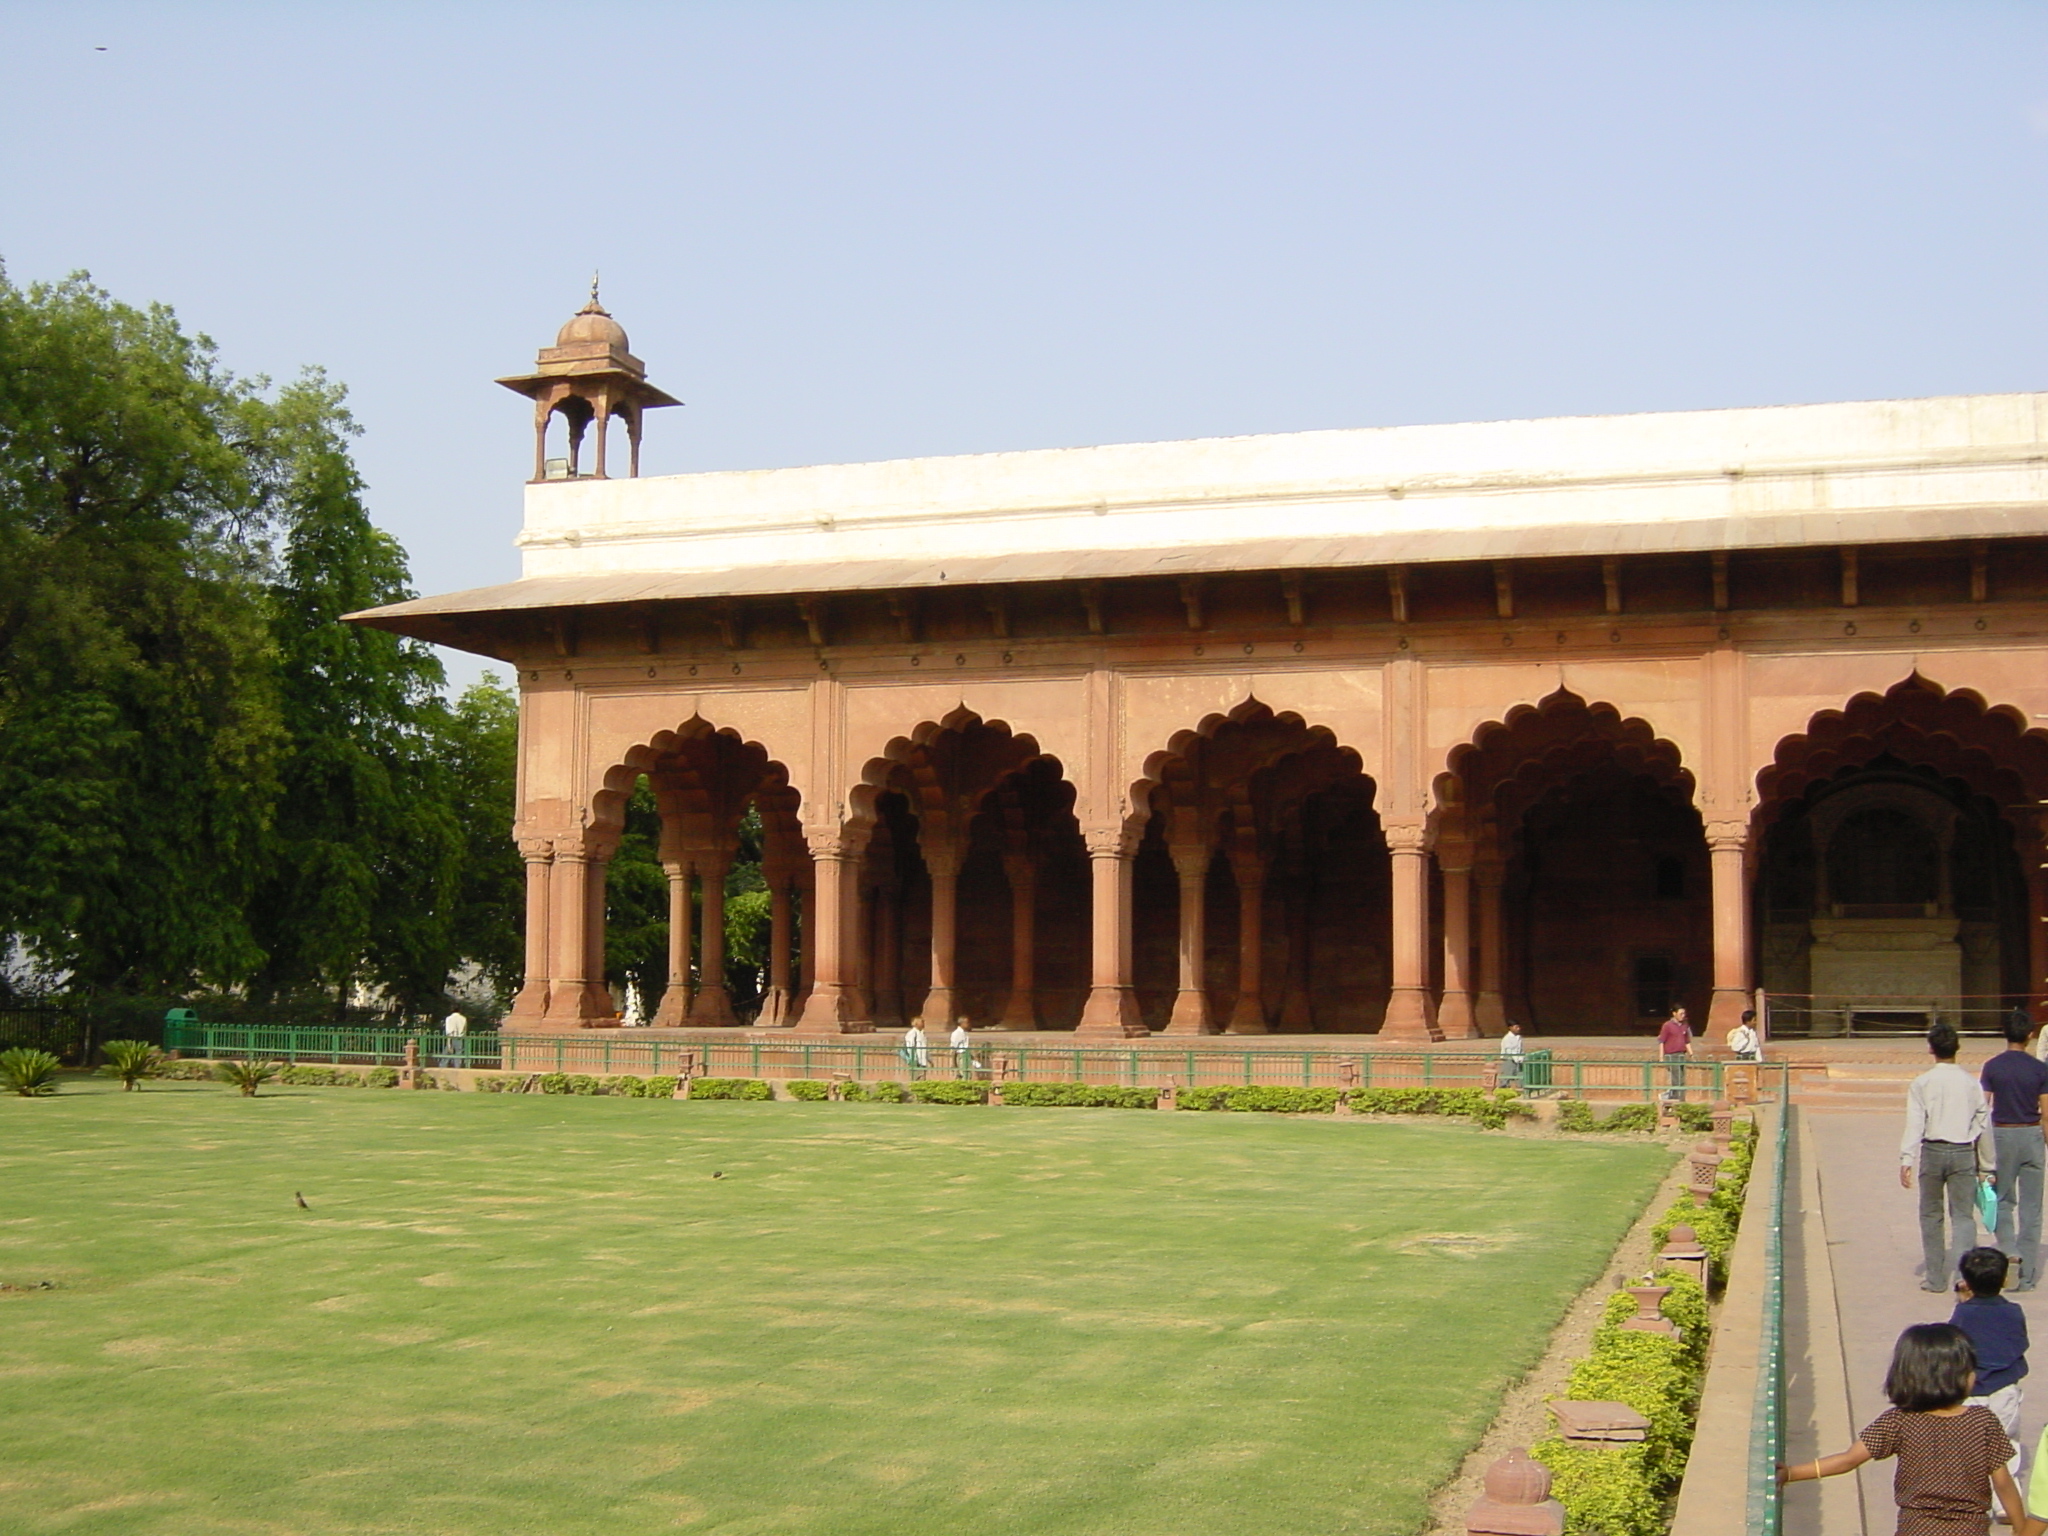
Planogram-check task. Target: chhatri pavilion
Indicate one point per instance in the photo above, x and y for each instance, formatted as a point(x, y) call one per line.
point(1407, 731)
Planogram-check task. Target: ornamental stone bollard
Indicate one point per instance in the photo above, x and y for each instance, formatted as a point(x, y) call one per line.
point(1517, 1501)
point(995, 1094)
point(1741, 1080)
point(1598, 1423)
point(1169, 1096)
point(1706, 1172)
point(1682, 1252)
point(1650, 1316)
point(1724, 1122)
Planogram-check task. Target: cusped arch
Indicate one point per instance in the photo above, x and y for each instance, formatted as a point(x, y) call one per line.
point(1158, 769)
point(935, 782)
point(1511, 762)
point(1991, 748)
point(699, 771)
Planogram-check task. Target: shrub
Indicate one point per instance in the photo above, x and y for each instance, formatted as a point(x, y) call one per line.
point(29, 1072)
point(1695, 1118)
point(1578, 1115)
point(730, 1088)
point(1267, 1100)
point(131, 1061)
point(623, 1087)
point(810, 1091)
point(1714, 1226)
point(381, 1077)
point(1079, 1096)
point(1188, 1098)
point(187, 1071)
point(582, 1083)
point(659, 1087)
point(944, 1091)
point(247, 1075)
point(885, 1093)
point(1605, 1492)
point(553, 1082)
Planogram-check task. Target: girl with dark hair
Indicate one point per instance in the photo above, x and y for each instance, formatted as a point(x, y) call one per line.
point(1951, 1456)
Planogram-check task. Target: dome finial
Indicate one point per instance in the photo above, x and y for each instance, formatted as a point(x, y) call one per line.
point(593, 307)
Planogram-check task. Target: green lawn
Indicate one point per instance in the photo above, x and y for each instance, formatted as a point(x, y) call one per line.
point(535, 1314)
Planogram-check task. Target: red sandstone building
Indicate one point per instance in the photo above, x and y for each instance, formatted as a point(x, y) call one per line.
point(1408, 730)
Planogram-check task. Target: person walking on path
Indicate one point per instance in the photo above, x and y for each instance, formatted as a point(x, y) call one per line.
point(1674, 1040)
point(963, 1049)
point(453, 1029)
point(1948, 1134)
point(1951, 1454)
point(1998, 1333)
point(917, 1049)
point(1743, 1040)
point(2017, 1082)
point(1512, 1050)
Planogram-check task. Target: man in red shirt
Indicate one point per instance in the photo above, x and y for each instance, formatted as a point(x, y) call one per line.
point(1675, 1041)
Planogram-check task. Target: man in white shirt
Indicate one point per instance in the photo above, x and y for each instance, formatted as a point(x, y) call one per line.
point(963, 1049)
point(1948, 1133)
point(453, 1028)
point(1512, 1050)
point(916, 1052)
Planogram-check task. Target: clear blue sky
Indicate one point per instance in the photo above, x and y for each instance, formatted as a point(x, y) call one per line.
point(867, 231)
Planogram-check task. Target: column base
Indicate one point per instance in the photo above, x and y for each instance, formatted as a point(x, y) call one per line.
point(1410, 1017)
point(1726, 1011)
point(1020, 1014)
point(580, 1005)
point(674, 1011)
point(775, 1010)
point(1489, 1014)
point(1455, 1018)
point(712, 1009)
point(1190, 1015)
point(836, 1008)
point(1247, 1018)
point(937, 1012)
point(1112, 1011)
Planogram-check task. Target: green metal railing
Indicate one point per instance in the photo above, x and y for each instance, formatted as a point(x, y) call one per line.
point(1767, 1418)
point(609, 1052)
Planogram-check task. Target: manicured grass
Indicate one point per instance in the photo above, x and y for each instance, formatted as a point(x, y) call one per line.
point(524, 1314)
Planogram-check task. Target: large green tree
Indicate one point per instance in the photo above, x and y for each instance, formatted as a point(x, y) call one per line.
point(480, 749)
point(139, 719)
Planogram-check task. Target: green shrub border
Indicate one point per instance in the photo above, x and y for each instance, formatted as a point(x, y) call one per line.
point(1626, 1490)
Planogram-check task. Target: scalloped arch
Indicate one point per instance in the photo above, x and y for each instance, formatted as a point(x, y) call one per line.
point(912, 754)
point(608, 804)
point(1535, 747)
point(1251, 710)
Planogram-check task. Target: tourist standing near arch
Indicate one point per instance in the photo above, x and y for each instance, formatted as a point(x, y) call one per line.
point(1948, 1133)
point(1674, 1040)
point(2017, 1083)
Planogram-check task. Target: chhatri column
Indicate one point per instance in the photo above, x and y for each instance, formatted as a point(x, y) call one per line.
point(1490, 1012)
point(712, 1006)
point(675, 997)
point(529, 1008)
point(1112, 1007)
point(1728, 848)
point(833, 1002)
point(1454, 1014)
point(942, 863)
point(1248, 1014)
point(775, 1000)
point(1020, 1012)
point(1410, 1015)
point(1191, 1004)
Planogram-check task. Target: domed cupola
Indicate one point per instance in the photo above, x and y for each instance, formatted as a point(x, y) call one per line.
point(588, 375)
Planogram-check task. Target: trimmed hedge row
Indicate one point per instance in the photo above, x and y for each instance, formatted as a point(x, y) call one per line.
point(1624, 1490)
point(1578, 1115)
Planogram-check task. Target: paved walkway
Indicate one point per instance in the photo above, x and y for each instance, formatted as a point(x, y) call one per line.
point(1871, 1229)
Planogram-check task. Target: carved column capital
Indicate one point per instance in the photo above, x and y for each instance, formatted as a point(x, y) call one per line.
point(1109, 842)
point(1728, 836)
point(836, 842)
point(1406, 837)
point(536, 850)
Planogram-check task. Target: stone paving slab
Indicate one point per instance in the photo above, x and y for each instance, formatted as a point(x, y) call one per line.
point(1873, 1235)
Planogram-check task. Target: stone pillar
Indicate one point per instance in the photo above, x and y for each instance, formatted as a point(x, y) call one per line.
point(834, 1001)
point(1489, 1011)
point(529, 1009)
point(1112, 1007)
point(1297, 1012)
point(712, 1006)
point(1728, 846)
point(1020, 1012)
point(776, 1012)
point(1191, 1004)
point(1455, 1015)
point(1248, 1013)
point(565, 933)
point(943, 865)
point(885, 917)
point(598, 1003)
point(1410, 1012)
point(675, 997)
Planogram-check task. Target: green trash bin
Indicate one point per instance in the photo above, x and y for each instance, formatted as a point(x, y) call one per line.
point(181, 1027)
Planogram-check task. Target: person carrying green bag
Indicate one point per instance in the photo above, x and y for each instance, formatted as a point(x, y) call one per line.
point(1948, 1140)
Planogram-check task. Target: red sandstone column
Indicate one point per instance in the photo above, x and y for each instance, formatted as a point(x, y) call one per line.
point(1728, 846)
point(1490, 1014)
point(1112, 1007)
point(1191, 1004)
point(566, 933)
point(834, 1001)
point(1021, 1011)
point(598, 1002)
point(675, 997)
point(1454, 1015)
point(712, 1006)
point(943, 865)
point(530, 1008)
point(1410, 1015)
point(885, 916)
point(1248, 1013)
point(775, 1010)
